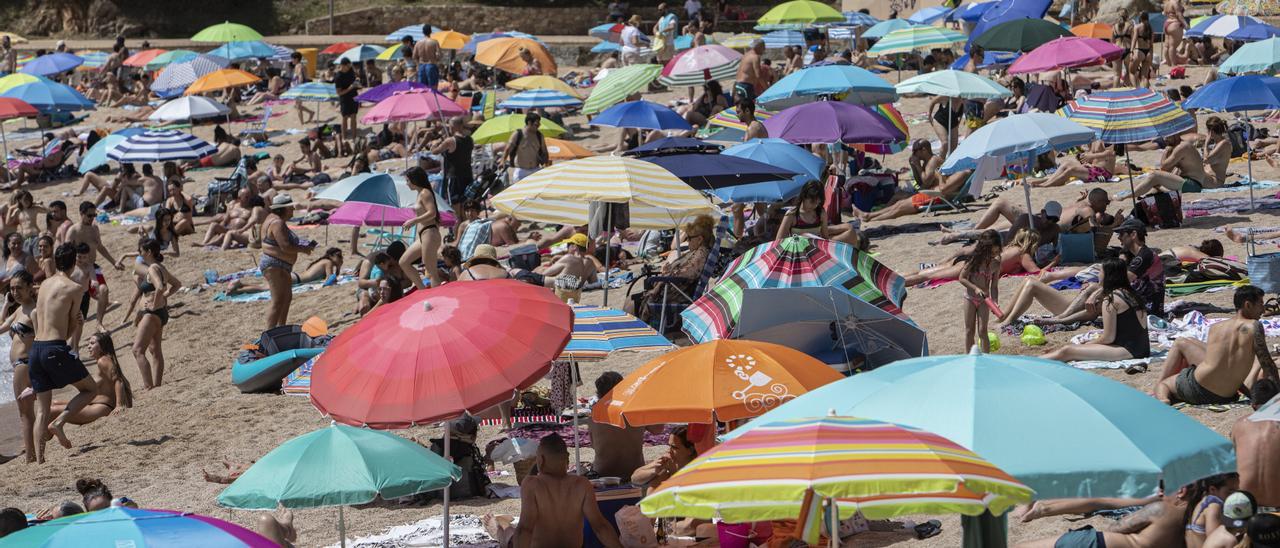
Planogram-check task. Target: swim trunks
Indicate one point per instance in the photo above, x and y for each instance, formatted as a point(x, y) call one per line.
point(746, 90)
point(1191, 185)
point(1187, 389)
point(429, 75)
point(53, 366)
point(1084, 537)
point(569, 287)
point(207, 161)
point(1098, 174)
point(922, 200)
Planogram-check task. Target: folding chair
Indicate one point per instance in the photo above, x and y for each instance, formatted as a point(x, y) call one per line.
point(955, 202)
point(710, 269)
point(258, 132)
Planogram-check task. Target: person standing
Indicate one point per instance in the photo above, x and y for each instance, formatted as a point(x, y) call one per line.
point(280, 249)
point(426, 54)
point(155, 285)
point(345, 83)
point(53, 365)
point(427, 224)
point(750, 80)
point(527, 149)
point(693, 8)
point(297, 77)
point(664, 33)
point(456, 150)
point(8, 57)
point(631, 41)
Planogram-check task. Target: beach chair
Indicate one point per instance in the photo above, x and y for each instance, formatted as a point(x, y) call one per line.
point(716, 262)
point(258, 132)
point(49, 165)
point(956, 201)
point(222, 189)
point(479, 231)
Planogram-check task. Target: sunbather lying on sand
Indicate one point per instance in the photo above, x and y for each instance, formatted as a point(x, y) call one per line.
point(325, 268)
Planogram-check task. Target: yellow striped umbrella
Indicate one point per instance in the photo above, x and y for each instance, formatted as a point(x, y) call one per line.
point(16, 79)
point(561, 193)
point(221, 79)
point(741, 40)
point(542, 81)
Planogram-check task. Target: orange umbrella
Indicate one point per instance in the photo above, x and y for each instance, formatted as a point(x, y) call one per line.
point(143, 57)
point(504, 54)
point(559, 149)
point(722, 380)
point(450, 40)
point(338, 49)
point(1101, 31)
point(221, 79)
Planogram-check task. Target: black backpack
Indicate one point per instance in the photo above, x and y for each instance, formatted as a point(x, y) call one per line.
point(1240, 133)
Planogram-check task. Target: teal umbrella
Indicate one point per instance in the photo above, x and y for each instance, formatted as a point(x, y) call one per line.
point(339, 466)
point(1019, 35)
point(1261, 57)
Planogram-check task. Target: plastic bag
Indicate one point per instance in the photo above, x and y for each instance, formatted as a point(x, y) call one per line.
point(634, 529)
point(1032, 335)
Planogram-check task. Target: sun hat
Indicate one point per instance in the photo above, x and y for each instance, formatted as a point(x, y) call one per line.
point(282, 201)
point(485, 251)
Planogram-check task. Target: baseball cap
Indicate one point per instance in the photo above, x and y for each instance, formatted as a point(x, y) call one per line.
point(1264, 531)
point(1238, 508)
point(1132, 224)
point(579, 240)
point(1053, 209)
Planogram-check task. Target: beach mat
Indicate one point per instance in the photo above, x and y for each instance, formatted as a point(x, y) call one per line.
point(1241, 403)
point(1103, 364)
point(298, 383)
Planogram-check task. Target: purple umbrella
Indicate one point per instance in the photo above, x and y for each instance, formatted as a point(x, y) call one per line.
point(377, 93)
point(830, 122)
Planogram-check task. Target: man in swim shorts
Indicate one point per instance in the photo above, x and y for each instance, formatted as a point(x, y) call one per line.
point(426, 54)
point(1216, 371)
point(53, 365)
point(572, 271)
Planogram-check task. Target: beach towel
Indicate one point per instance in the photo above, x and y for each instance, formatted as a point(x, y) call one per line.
point(266, 295)
point(1243, 184)
point(298, 383)
point(1102, 364)
point(211, 276)
point(465, 531)
point(1240, 403)
point(1179, 290)
point(1192, 324)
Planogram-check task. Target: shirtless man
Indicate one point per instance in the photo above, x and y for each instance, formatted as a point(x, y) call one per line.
point(621, 450)
point(925, 167)
point(86, 232)
point(554, 503)
point(1214, 372)
point(1257, 444)
point(1014, 219)
point(426, 54)
point(1181, 169)
point(751, 79)
point(571, 272)
point(53, 365)
point(1217, 150)
point(1166, 529)
point(747, 115)
point(239, 219)
point(21, 218)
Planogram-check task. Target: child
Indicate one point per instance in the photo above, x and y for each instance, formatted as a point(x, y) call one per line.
point(981, 278)
point(1207, 514)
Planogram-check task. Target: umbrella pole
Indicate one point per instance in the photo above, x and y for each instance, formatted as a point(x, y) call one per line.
point(833, 528)
point(573, 408)
point(608, 221)
point(1133, 194)
point(5, 141)
point(342, 528)
point(444, 541)
point(1249, 158)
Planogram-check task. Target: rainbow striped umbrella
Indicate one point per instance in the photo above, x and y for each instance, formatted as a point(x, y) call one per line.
point(890, 113)
point(1129, 115)
point(797, 261)
point(916, 38)
point(600, 331)
point(877, 468)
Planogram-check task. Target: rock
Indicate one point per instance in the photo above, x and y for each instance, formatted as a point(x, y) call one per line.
point(1109, 11)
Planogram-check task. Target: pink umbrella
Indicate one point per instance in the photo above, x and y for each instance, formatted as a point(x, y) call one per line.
point(701, 64)
point(1066, 52)
point(366, 214)
point(411, 105)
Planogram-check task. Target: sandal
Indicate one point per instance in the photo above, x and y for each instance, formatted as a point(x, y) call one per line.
point(1271, 307)
point(931, 528)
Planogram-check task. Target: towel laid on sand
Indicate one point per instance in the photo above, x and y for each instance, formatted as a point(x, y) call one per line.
point(266, 295)
point(1101, 364)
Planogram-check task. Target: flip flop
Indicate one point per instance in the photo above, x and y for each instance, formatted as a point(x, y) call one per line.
point(931, 528)
point(1136, 368)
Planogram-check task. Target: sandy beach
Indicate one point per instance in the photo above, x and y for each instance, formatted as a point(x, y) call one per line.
point(154, 452)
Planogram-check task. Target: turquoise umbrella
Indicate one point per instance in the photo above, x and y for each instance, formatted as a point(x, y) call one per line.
point(96, 156)
point(137, 528)
point(339, 466)
point(1261, 57)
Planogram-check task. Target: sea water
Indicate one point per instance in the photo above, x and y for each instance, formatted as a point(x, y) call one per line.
point(10, 423)
point(6, 372)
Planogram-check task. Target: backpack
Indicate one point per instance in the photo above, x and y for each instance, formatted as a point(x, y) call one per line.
point(1163, 210)
point(1240, 133)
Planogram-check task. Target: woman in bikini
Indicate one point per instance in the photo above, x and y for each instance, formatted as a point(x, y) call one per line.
point(1140, 49)
point(326, 268)
point(184, 221)
point(1018, 256)
point(15, 259)
point(427, 223)
point(113, 386)
point(809, 217)
point(280, 249)
point(1124, 322)
point(1207, 513)
point(1174, 26)
point(19, 325)
point(156, 285)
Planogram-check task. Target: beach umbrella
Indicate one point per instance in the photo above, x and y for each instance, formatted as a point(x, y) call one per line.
point(953, 83)
point(673, 145)
point(699, 65)
point(11, 108)
point(481, 37)
point(93, 60)
point(178, 76)
point(504, 54)
point(643, 115)
point(719, 381)
point(48, 95)
point(449, 39)
point(977, 400)
point(227, 32)
point(360, 53)
point(540, 98)
point(873, 468)
point(13, 38)
point(96, 156)
point(561, 193)
point(929, 15)
point(393, 52)
point(915, 39)
point(337, 49)
point(122, 526)
point(971, 12)
point(856, 85)
point(779, 39)
point(566, 150)
point(339, 466)
point(312, 91)
point(412, 31)
point(16, 79)
point(882, 28)
point(741, 40)
point(1101, 31)
point(1066, 52)
point(775, 152)
point(599, 331)
point(1261, 57)
point(221, 79)
point(370, 188)
point(1236, 94)
point(1221, 25)
point(798, 14)
point(253, 49)
point(829, 324)
point(155, 146)
point(498, 129)
point(619, 84)
point(412, 105)
point(381, 92)
point(166, 58)
point(53, 63)
point(859, 19)
point(542, 81)
point(362, 214)
point(605, 47)
point(832, 122)
point(796, 261)
point(1253, 33)
point(725, 127)
point(609, 32)
point(188, 108)
point(990, 59)
point(1019, 35)
point(708, 172)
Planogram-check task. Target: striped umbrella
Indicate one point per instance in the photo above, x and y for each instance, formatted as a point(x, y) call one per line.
point(360, 53)
point(842, 32)
point(540, 98)
point(880, 469)
point(699, 65)
point(1221, 25)
point(859, 19)
point(600, 331)
point(16, 79)
point(312, 91)
point(181, 75)
point(166, 58)
point(725, 126)
point(542, 81)
point(412, 31)
point(1130, 115)
point(391, 53)
point(561, 193)
point(160, 146)
point(797, 261)
point(929, 15)
point(609, 32)
point(779, 39)
point(93, 60)
point(916, 39)
point(620, 83)
point(280, 53)
point(741, 40)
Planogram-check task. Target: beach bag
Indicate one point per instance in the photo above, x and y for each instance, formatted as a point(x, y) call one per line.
point(1264, 272)
point(634, 529)
point(1214, 268)
point(1240, 133)
point(1076, 248)
point(1163, 209)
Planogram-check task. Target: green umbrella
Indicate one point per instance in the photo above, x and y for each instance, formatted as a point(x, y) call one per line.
point(339, 466)
point(227, 32)
point(499, 129)
point(618, 84)
point(170, 57)
point(1020, 35)
point(799, 13)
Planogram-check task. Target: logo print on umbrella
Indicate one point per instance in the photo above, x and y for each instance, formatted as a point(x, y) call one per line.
point(743, 366)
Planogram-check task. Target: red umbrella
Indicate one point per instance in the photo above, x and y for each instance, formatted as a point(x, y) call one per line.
point(143, 57)
point(13, 108)
point(437, 353)
point(338, 49)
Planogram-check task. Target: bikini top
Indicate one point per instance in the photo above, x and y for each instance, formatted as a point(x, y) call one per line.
point(271, 241)
point(20, 329)
point(1208, 499)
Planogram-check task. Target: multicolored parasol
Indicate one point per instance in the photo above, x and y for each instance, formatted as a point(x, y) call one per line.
point(916, 38)
point(600, 331)
point(1130, 115)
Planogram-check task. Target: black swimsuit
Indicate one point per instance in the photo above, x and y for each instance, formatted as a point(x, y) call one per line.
point(1130, 335)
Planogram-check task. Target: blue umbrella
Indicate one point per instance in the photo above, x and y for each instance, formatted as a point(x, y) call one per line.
point(1254, 33)
point(970, 12)
point(378, 93)
point(540, 98)
point(359, 54)
point(669, 145)
point(779, 39)
point(1238, 93)
point(641, 114)
point(160, 146)
point(929, 15)
point(859, 86)
point(775, 152)
point(606, 47)
point(369, 188)
point(1018, 137)
point(412, 31)
point(989, 59)
point(610, 32)
point(96, 156)
point(1062, 431)
point(711, 171)
point(137, 528)
point(53, 63)
point(885, 27)
point(47, 95)
point(178, 76)
point(244, 50)
point(859, 19)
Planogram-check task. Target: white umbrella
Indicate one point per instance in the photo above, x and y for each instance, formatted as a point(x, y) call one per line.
point(160, 146)
point(191, 107)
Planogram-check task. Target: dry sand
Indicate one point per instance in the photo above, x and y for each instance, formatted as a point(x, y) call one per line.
point(153, 453)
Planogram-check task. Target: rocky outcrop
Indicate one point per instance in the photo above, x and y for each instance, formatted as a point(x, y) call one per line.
point(1109, 11)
